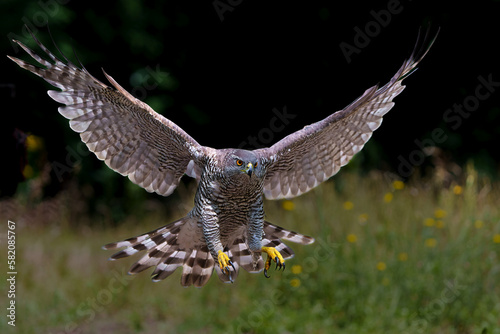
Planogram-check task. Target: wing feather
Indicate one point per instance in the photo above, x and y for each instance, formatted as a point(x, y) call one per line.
point(304, 159)
point(124, 132)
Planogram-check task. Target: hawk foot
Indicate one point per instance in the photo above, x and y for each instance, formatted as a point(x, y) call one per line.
point(224, 263)
point(273, 254)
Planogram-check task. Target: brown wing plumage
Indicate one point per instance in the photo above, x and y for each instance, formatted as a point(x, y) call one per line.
point(304, 159)
point(126, 133)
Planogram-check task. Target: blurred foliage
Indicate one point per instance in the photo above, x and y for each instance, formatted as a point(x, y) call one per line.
point(422, 260)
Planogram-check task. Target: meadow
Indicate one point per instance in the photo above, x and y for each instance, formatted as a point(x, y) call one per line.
point(389, 257)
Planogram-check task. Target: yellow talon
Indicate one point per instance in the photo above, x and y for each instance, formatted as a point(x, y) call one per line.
point(224, 263)
point(273, 254)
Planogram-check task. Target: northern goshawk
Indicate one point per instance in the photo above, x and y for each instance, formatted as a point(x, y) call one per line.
point(226, 228)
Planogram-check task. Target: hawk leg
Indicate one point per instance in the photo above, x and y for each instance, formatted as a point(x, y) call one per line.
point(273, 254)
point(224, 263)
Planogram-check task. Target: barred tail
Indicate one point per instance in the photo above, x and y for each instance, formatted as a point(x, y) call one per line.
point(169, 247)
point(181, 243)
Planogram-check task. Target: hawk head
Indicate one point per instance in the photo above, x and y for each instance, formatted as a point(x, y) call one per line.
point(242, 162)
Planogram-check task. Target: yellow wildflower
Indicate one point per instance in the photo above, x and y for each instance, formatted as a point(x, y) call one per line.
point(439, 224)
point(429, 222)
point(352, 238)
point(348, 205)
point(363, 217)
point(431, 242)
point(381, 266)
point(388, 197)
point(295, 282)
point(28, 171)
point(439, 213)
point(478, 224)
point(288, 205)
point(398, 185)
point(496, 238)
point(296, 269)
point(403, 256)
point(458, 190)
point(33, 143)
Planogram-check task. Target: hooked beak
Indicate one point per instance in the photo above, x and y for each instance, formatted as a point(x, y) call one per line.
point(249, 169)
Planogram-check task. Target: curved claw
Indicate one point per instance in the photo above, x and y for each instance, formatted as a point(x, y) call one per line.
point(265, 273)
point(224, 263)
point(279, 264)
point(226, 269)
point(273, 254)
point(229, 276)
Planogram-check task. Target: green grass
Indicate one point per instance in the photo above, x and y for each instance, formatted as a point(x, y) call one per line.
point(424, 259)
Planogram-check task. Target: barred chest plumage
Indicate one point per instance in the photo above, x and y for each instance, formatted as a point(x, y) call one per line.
point(229, 200)
point(235, 196)
point(232, 183)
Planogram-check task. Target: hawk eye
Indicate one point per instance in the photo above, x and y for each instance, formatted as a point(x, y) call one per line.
point(255, 165)
point(239, 162)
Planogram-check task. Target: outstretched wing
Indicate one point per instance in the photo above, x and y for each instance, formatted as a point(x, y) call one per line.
point(304, 159)
point(126, 133)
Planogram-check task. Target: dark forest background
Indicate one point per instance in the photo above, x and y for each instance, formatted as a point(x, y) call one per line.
point(224, 70)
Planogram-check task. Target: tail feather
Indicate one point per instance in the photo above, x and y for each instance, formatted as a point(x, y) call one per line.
point(198, 268)
point(181, 244)
point(167, 253)
point(151, 240)
point(167, 265)
point(276, 232)
point(241, 254)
